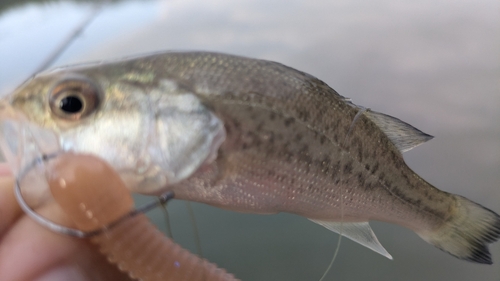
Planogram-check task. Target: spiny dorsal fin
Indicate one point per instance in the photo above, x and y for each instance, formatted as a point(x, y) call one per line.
point(359, 232)
point(403, 135)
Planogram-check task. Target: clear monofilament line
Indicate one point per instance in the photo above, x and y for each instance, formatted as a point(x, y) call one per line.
point(337, 248)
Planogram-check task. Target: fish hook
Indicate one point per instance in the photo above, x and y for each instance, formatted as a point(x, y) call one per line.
point(162, 200)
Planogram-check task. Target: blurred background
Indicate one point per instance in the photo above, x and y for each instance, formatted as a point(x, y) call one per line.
point(434, 64)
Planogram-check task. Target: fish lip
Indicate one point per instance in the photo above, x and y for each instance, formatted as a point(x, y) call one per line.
point(25, 145)
point(21, 141)
point(8, 112)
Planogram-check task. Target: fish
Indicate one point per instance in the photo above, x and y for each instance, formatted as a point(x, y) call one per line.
point(252, 136)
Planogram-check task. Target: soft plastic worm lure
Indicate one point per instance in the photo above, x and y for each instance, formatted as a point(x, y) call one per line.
point(93, 196)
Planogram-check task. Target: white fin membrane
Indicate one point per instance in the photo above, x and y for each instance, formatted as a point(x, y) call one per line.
point(403, 135)
point(359, 232)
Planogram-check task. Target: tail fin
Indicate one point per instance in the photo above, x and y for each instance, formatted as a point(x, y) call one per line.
point(467, 234)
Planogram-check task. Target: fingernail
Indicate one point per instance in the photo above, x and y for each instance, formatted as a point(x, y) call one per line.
point(62, 273)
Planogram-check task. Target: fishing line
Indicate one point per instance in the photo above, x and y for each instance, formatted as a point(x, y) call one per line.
point(197, 240)
point(56, 54)
point(166, 220)
point(356, 117)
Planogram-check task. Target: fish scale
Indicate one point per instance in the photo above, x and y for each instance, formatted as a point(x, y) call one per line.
point(334, 110)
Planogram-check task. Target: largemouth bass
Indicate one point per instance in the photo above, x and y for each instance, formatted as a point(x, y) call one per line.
point(251, 136)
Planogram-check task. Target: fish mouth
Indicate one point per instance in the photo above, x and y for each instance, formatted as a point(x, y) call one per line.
point(24, 145)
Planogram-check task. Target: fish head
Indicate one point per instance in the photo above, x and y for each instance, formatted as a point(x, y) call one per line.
point(153, 132)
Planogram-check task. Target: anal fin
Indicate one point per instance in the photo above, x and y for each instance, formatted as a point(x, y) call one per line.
point(359, 232)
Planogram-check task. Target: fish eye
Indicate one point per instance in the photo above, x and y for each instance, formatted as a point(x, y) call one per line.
point(71, 104)
point(73, 99)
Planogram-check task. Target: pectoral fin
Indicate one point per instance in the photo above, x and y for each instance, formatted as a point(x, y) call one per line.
point(360, 232)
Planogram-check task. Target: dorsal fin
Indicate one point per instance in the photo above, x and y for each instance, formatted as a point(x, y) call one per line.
point(403, 135)
point(359, 232)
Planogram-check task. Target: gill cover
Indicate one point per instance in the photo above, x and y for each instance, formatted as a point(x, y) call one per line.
point(185, 134)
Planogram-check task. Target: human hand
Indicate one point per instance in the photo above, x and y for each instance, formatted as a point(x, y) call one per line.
point(29, 251)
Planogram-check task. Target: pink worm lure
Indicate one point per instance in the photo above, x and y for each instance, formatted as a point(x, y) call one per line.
point(92, 194)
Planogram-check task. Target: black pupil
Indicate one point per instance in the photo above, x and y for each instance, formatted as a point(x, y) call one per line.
point(71, 104)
